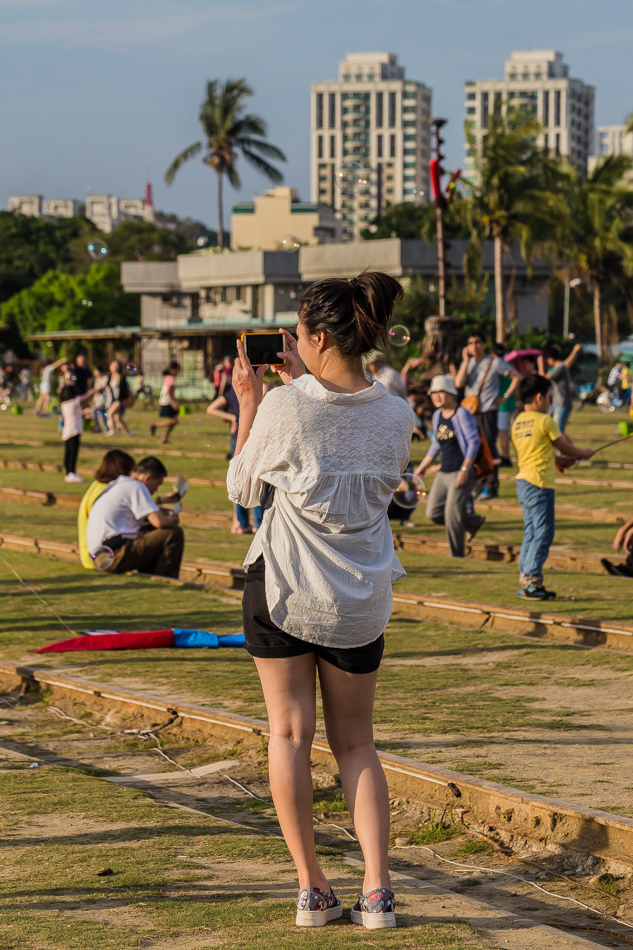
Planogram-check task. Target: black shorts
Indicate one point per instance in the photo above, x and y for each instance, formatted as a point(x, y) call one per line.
point(264, 639)
point(167, 412)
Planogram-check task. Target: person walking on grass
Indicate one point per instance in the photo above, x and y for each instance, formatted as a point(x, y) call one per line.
point(227, 408)
point(116, 395)
point(457, 442)
point(329, 446)
point(535, 436)
point(479, 375)
point(551, 365)
point(168, 405)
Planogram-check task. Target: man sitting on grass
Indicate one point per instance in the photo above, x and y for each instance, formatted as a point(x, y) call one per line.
point(118, 518)
point(623, 539)
point(535, 434)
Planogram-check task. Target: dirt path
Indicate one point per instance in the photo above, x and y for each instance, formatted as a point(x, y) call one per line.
point(498, 912)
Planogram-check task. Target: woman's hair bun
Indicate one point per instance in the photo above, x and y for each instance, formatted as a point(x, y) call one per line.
point(354, 313)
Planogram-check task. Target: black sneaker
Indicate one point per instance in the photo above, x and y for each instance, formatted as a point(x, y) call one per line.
point(530, 592)
point(616, 570)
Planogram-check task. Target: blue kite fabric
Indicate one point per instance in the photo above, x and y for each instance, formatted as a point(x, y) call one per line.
point(199, 639)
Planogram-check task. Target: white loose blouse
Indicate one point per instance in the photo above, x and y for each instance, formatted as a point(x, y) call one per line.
point(335, 460)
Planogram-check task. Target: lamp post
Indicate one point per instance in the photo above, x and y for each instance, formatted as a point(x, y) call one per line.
point(436, 171)
point(570, 283)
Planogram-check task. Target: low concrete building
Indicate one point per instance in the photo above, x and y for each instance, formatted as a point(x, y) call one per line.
point(61, 207)
point(263, 223)
point(106, 211)
point(27, 204)
point(204, 299)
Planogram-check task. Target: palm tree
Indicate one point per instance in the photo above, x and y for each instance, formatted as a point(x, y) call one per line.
point(595, 236)
point(513, 196)
point(229, 132)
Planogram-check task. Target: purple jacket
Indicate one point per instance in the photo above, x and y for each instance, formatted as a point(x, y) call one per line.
point(465, 429)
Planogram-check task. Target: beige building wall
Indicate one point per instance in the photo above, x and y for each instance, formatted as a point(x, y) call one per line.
point(263, 223)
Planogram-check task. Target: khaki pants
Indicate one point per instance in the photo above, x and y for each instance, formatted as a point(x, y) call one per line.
point(448, 505)
point(157, 552)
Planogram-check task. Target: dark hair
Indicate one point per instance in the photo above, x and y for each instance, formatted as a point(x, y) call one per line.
point(114, 463)
point(553, 351)
point(354, 313)
point(68, 392)
point(477, 334)
point(151, 466)
point(497, 348)
point(531, 386)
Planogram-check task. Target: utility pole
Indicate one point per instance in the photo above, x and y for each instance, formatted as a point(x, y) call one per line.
point(436, 172)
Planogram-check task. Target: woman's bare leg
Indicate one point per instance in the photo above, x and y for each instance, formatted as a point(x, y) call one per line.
point(289, 686)
point(348, 705)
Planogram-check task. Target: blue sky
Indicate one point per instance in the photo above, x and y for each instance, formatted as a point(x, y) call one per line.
point(93, 93)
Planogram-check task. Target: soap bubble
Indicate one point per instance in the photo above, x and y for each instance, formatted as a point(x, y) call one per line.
point(399, 335)
point(202, 241)
point(97, 250)
point(290, 243)
point(350, 175)
point(4, 407)
point(131, 369)
point(410, 492)
point(102, 558)
point(86, 302)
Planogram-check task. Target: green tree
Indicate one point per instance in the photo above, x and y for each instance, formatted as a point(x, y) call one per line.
point(594, 239)
point(228, 133)
point(515, 195)
point(62, 301)
point(628, 126)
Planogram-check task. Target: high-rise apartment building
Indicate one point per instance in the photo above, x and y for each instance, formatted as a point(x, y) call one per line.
point(537, 81)
point(372, 115)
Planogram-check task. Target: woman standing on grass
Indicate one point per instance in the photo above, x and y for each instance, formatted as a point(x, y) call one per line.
point(330, 448)
point(168, 405)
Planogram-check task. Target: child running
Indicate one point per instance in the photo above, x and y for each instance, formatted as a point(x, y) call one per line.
point(535, 435)
point(329, 447)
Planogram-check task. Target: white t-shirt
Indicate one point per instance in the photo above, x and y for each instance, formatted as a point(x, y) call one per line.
point(163, 399)
point(71, 417)
point(119, 510)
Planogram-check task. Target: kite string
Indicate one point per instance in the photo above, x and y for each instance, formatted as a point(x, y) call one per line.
point(36, 593)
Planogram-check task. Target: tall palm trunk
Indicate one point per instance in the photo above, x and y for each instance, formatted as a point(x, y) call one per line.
point(499, 299)
point(220, 213)
point(597, 320)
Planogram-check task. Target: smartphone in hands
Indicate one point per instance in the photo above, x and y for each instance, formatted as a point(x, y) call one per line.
point(263, 347)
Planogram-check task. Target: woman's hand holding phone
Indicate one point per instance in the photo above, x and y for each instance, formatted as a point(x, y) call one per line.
point(247, 384)
point(293, 365)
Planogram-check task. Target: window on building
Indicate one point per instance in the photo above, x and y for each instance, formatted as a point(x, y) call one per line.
point(409, 94)
point(319, 110)
point(409, 137)
point(359, 77)
point(409, 108)
point(558, 143)
point(392, 110)
point(470, 110)
point(557, 109)
point(379, 146)
point(379, 110)
point(392, 145)
point(513, 76)
point(546, 141)
point(525, 75)
point(410, 151)
point(546, 108)
point(470, 96)
point(371, 77)
point(238, 293)
point(538, 75)
point(331, 110)
point(484, 109)
point(319, 146)
point(346, 77)
point(409, 164)
point(332, 146)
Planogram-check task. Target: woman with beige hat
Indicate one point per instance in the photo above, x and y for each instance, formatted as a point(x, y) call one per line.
point(457, 441)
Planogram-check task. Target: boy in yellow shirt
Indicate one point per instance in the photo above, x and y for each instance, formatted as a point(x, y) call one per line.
point(535, 434)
